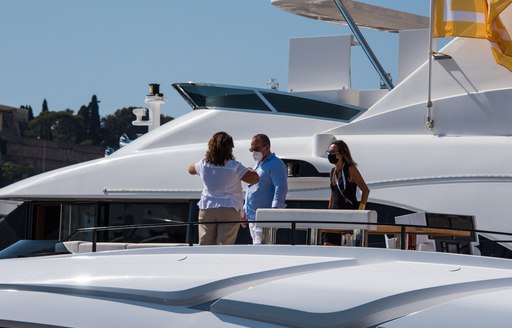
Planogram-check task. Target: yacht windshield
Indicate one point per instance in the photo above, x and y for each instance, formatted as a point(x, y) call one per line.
point(205, 96)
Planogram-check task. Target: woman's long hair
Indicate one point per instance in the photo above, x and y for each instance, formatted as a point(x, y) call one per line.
point(220, 149)
point(344, 151)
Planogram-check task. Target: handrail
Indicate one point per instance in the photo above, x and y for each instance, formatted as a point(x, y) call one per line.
point(95, 230)
point(293, 223)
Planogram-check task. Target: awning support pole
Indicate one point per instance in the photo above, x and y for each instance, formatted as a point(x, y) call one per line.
point(366, 48)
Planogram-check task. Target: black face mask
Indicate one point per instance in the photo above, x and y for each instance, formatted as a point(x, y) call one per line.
point(332, 158)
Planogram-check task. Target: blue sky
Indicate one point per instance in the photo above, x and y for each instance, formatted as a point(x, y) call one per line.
point(66, 51)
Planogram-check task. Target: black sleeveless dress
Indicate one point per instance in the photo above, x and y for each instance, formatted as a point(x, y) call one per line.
point(343, 194)
point(342, 190)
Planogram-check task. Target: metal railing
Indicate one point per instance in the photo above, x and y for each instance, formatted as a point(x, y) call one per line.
point(293, 227)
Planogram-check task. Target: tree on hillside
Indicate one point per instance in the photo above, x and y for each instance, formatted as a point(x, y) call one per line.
point(41, 126)
point(66, 127)
point(94, 121)
point(83, 128)
point(30, 111)
point(83, 111)
point(11, 172)
point(45, 106)
point(115, 125)
point(83, 117)
point(164, 119)
point(61, 126)
point(90, 116)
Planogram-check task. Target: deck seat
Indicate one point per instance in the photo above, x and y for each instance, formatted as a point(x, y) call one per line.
point(146, 245)
point(73, 245)
point(100, 247)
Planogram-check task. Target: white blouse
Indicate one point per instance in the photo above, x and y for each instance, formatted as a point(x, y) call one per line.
point(222, 184)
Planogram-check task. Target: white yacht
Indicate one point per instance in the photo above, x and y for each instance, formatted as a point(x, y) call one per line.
point(256, 286)
point(457, 165)
point(452, 171)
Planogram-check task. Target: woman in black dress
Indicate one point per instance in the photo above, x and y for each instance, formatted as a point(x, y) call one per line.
point(344, 180)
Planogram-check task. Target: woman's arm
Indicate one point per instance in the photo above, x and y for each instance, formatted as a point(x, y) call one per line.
point(192, 169)
point(330, 181)
point(250, 177)
point(356, 178)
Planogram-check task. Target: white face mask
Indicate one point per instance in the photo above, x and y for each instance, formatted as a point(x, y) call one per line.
point(257, 156)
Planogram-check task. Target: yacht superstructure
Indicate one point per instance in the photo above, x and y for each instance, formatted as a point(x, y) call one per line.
point(459, 167)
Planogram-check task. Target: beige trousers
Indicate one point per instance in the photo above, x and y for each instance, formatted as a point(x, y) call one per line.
point(221, 234)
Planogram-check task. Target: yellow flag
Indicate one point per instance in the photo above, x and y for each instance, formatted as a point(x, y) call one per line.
point(465, 18)
point(498, 35)
point(501, 44)
point(496, 7)
point(475, 19)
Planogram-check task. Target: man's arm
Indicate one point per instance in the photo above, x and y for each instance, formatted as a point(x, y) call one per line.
point(279, 176)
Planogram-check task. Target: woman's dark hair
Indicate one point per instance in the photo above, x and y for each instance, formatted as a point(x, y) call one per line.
point(220, 149)
point(344, 151)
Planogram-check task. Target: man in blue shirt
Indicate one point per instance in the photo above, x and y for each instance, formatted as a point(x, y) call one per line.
point(272, 187)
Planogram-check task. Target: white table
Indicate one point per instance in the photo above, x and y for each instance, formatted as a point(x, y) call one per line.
point(316, 219)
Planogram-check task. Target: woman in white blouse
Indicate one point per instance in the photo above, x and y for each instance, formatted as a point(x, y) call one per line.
point(222, 197)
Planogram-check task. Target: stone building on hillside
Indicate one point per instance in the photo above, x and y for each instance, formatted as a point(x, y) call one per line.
point(40, 154)
point(12, 120)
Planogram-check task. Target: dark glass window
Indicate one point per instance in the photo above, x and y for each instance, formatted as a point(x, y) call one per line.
point(309, 107)
point(298, 168)
point(14, 226)
point(214, 96)
point(147, 213)
point(83, 215)
point(76, 216)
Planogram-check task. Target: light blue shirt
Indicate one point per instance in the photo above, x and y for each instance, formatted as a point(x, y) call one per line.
point(271, 190)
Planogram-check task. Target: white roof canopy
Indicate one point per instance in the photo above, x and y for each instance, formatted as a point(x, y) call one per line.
point(365, 15)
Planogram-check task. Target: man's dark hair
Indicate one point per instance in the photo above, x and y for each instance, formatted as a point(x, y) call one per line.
point(263, 138)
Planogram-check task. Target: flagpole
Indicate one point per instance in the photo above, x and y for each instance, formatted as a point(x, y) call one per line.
point(430, 121)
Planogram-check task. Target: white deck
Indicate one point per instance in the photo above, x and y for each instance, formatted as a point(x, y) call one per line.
point(234, 286)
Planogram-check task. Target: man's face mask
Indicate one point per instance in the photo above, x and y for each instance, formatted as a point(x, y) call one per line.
point(257, 156)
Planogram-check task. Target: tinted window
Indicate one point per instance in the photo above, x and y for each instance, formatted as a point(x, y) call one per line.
point(211, 96)
point(76, 216)
point(130, 214)
point(309, 107)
